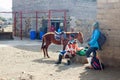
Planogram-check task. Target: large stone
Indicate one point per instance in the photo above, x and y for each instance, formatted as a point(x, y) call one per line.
point(79, 59)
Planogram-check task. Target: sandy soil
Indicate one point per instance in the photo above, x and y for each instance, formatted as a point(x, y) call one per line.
point(23, 60)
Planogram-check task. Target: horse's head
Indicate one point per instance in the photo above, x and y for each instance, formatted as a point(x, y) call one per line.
point(80, 37)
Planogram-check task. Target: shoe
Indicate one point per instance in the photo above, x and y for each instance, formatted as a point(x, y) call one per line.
point(59, 59)
point(68, 62)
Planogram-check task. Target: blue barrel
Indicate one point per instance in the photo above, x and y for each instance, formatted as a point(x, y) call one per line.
point(41, 34)
point(32, 35)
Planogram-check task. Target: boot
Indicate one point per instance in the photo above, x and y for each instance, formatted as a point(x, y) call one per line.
point(68, 62)
point(59, 59)
point(89, 60)
point(89, 63)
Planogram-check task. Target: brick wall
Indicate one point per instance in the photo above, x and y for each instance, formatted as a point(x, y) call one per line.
point(109, 18)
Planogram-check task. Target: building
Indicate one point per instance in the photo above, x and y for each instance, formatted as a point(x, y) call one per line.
point(84, 12)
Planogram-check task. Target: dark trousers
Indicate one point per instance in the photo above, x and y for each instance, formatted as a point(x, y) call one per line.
point(90, 50)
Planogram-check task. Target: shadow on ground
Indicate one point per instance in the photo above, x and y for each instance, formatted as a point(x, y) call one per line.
point(107, 74)
point(33, 48)
point(44, 60)
point(63, 67)
point(60, 67)
point(37, 48)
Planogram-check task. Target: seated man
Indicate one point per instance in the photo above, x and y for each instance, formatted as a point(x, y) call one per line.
point(70, 50)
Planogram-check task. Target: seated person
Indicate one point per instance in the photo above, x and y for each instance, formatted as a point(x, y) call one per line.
point(70, 50)
point(52, 28)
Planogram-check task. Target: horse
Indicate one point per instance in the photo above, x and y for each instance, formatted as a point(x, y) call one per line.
point(49, 38)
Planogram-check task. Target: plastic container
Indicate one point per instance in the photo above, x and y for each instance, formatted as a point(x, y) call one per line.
point(41, 34)
point(82, 52)
point(32, 34)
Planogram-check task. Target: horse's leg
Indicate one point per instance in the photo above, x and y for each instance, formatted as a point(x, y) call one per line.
point(43, 46)
point(64, 45)
point(43, 49)
point(44, 52)
point(46, 49)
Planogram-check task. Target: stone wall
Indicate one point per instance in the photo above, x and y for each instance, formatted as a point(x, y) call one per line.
point(109, 18)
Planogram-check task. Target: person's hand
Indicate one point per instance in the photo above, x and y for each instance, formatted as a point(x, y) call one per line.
point(80, 48)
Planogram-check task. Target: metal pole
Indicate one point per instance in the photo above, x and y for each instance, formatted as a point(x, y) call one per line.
point(14, 23)
point(49, 18)
point(21, 25)
point(65, 21)
point(36, 21)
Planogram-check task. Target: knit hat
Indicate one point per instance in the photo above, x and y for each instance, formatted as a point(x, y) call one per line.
point(96, 25)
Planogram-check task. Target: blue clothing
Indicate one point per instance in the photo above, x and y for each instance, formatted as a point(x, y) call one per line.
point(63, 52)
point(72, 41)
point(59, 30)
point(93, 41)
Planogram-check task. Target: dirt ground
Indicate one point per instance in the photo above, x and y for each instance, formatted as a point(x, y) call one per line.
point(23, 60)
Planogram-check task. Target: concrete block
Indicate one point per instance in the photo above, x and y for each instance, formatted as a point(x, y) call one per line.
point(79, 59)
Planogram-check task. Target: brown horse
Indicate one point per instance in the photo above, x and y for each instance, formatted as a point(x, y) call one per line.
point(49, 38)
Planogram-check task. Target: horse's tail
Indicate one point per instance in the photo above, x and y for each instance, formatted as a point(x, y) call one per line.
point(42, 46)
